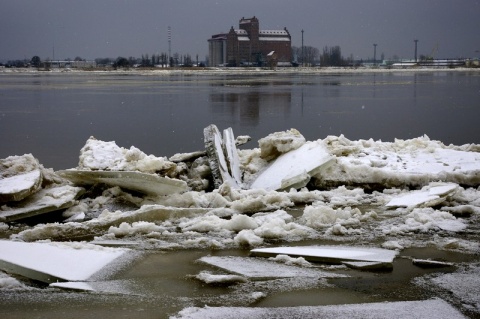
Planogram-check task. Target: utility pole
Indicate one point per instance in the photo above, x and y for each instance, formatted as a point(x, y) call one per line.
point(302, 50)
point(416, 41)
point(374, 54)
point(169, 44)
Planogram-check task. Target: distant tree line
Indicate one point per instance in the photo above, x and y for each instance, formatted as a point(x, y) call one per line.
point(311, 56)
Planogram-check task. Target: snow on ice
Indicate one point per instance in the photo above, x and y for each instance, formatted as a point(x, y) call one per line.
point(382, 196)
point(50, 262)
point(433, 308)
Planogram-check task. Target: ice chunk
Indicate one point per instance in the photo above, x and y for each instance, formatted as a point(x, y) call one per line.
point(186, 157)
point(18, 187)
point(294, 168)
point(209, 278)
point(150, 184)
point(45, 201)
point(20, 177)
point(279, 143)
point(223, 163)
point(428, 263)
point(367, 265)
point(433, 308)
point(431, 195)
point(49, 262)
point(82, 286)
point(100, 155)
point(154, 213)
point(232, 155)
point(330, 254)
point(261, 269)
point(404, 163)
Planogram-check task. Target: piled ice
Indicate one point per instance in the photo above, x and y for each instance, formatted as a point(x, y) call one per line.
point(230, 197)
point(28, 189)
point(378, 195)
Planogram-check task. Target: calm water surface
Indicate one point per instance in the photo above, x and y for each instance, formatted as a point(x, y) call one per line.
point(52, 115)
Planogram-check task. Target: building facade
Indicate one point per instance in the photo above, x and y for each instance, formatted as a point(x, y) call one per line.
point(248, 45)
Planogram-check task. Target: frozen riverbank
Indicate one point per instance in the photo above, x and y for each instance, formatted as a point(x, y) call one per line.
point(401, 195)
point(240, 71)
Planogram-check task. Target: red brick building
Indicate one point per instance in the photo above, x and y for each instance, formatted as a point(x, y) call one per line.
point(249, 45)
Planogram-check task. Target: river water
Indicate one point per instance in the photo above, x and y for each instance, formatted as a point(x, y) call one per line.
point(52, 115)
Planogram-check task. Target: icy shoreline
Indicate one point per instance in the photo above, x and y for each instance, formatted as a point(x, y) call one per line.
point(254, 70)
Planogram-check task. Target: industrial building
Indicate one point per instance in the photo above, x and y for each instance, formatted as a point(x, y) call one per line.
point(248, 45)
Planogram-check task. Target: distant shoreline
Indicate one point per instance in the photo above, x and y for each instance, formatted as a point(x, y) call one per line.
point(252, 70)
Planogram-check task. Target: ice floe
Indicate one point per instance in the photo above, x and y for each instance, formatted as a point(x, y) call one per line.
point(264, 269)
point(50, 262)
point(433, 308)
point(331, 254)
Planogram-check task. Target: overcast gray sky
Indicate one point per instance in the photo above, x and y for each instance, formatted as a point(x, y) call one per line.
point(112, 28)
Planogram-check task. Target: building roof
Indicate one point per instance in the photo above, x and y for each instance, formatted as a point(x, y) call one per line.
point(273, 32)
point(274, 39)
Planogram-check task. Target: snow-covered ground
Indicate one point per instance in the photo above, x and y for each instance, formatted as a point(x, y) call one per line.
point(372, 194)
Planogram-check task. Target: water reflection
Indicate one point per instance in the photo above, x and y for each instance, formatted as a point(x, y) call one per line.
point(51, 116)
point(247, 107)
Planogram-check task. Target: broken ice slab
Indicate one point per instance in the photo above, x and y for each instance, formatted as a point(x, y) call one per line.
point(150, 184)
point(330, 254)
point(18, 187)
point(20, 177)
point(232, 155)
point(428, 263)
point(98, 226)
point(429, 196)
point(76, 285)
point(432, 308)
point(50, 262)
point(44, 201)
point(403, 163)
point(261, 269)
point(367, 265)
point(123, 287)
point(294, 169)
point(222, 163)
point(186, 157)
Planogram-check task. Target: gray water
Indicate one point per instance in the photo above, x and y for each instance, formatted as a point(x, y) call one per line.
point(52, 115)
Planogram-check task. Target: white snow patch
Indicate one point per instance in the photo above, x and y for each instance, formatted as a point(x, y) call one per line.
point(56, 261)
point(433, 308)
